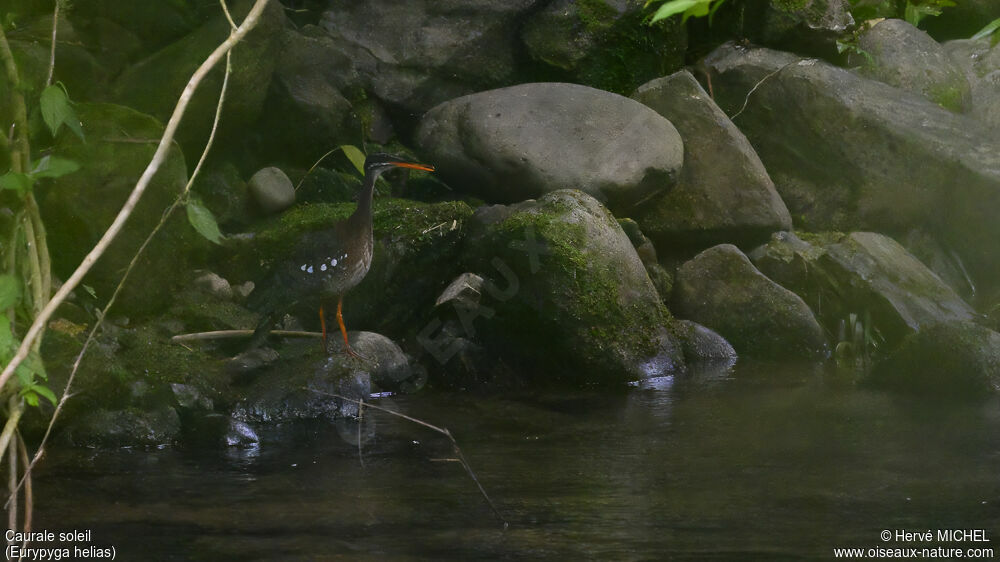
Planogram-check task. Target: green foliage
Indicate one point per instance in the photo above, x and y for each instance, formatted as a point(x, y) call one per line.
point(356, 157)
point(45, 167)
point(916, 12)
point(688, 8)
point(29, 371)
point(913, 11)
point(203, 220)
point(989, 31)
point(57, 110)
point(10, 291)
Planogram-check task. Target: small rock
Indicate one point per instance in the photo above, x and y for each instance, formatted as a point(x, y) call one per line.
point(214, 285)
point(272, 190)
point(190, 397)
point(240, 434)
point(466, 290)
point(251, 360)
point(703, 346)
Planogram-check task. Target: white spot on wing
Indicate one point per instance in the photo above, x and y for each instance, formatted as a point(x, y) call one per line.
point(322, 267)
point(310, 270)
point(304, 266)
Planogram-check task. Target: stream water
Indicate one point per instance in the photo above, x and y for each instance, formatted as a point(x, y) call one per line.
point(762, 462)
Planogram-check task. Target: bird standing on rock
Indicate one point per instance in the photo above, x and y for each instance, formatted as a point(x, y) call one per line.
point(326, 263)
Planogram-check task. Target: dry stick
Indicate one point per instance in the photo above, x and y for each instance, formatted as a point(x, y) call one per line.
point(158, 157)
point(442, 431)
point(29, 495)
point(248, 23)
point(13, 416)
point(12, 486)
point(52, 56)
point(746, 100)
point(228, 334)
point(361, 421)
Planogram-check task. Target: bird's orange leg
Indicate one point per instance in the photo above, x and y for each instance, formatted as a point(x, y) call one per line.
point(343, 330)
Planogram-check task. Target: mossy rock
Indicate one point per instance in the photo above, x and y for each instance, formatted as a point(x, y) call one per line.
point(77, 208)
point(569, 298)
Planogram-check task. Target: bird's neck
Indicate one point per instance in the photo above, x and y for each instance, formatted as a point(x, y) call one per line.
point(364, 209)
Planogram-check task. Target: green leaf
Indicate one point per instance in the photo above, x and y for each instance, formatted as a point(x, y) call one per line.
point(53, 167)
point(203, 221)
point(675, 7)
point(30, 397)
point(10, 293)
point(987, 31)
point(42, 391)
point(21, 183)
point(90, 290)
point(355, 156)
point(57, 111)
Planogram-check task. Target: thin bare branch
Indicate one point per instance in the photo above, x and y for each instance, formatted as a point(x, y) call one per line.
point(229, 334)
point(12, 485)
point(29, 494)
point(158, 157)
point(442, 431)
point(52, 55)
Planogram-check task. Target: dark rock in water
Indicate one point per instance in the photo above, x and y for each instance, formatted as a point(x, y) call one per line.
point(414, 55)
point(519, 142)
point(271, 190)
point(863, 273)
point(306, 112)
point(154, 84)
point(390, 368)
point(566, 298)
point(131, 427)
point(84, 203)
point(847, 153)
point(949, 360)
point(906, 57)
point(240, 434)
point(190, 397)
point(722, 290)
point(603, 43)
point(302, 387)
point(724, 193)
point(703, 346)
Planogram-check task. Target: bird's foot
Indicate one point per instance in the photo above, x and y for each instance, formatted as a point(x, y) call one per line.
point(350, 351)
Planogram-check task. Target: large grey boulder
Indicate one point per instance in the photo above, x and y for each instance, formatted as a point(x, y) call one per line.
point(847, 153)
point(720, 289)
point(724, 192)
point(414, 55)
point(955, 360)
point(519, 142)
point(863, 273)
point(908, 58)
point(565, 299)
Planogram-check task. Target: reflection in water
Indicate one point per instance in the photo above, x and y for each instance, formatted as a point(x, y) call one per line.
point(759, 462)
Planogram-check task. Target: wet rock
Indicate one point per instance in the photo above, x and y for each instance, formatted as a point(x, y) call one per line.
point(153, 84)
point(724, 193)
point(862, 273)
point(702, 346)
point(722, 290)
point(389, 367)
point(603, 44)
point(643, 246)
point(271, 190)
point(906, 57)
point(519, 142)
point(959, 360)
point(302, 387)
point(240, 434)
point(79, 208)
point(414, 55)
point(130, 427)
point(891, 160)
point(570, 300)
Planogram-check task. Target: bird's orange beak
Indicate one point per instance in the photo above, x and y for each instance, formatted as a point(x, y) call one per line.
point(424, 167)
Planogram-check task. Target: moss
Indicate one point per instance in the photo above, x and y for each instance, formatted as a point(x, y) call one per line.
point(949, 96)
point(790, 5)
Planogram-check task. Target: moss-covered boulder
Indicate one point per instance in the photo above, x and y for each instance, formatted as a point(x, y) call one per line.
point(908, 58)
point(514, 143)
point(806, 26)
point(862, 273)
point(954, 360)
point(79, 207)
point(603, 43)
point(566, 299)
point(154, 84)
point(724, 193)
point(722, 290)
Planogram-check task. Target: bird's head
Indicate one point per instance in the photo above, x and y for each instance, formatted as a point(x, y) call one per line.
point(379, 162)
